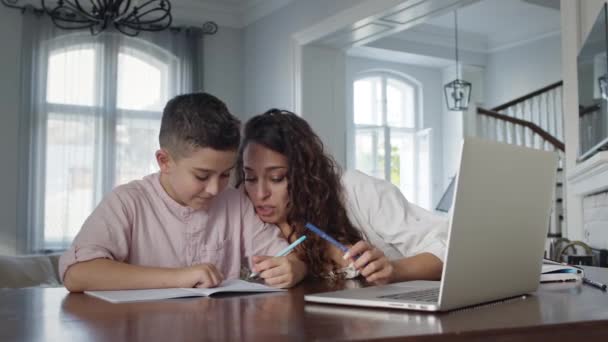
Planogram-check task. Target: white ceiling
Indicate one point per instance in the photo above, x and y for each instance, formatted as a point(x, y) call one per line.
point(495, 24)
point(229, 13)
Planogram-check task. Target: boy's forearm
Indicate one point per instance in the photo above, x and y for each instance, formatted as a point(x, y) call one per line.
point(105, 274)
point(424, 266)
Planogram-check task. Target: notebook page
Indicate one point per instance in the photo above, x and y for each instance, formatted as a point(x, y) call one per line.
point(126, 296)
point(235, 285)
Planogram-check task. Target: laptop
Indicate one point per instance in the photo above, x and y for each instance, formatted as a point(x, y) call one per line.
point(498, 226)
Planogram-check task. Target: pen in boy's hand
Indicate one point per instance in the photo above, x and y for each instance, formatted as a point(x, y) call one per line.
point(284, 252)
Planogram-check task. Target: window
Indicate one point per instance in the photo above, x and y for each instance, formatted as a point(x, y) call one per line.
point(100, 119)
point(389, 142)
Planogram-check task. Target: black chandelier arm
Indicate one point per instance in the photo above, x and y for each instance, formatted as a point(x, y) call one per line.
point(15, 5)
point(120, 29)
point(73, 24)
point(96, 4)
point(62, 14)
point(68, 6)
point(78, 6)
point(137, 14)
point(146, 22)
point(167, 6)
point(128, 18)
point(123, 9)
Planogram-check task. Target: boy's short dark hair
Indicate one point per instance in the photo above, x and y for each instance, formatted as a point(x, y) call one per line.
point(198, 120)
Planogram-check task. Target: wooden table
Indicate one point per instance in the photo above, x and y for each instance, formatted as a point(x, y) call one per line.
point(556, 312)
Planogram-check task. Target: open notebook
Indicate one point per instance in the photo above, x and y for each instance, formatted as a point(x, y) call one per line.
point(232, 286)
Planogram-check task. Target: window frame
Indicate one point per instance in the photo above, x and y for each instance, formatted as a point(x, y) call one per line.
point(417, 129)
point(107, 48)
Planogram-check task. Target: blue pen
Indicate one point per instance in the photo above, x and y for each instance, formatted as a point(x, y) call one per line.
point(284, 252)
point(324, 235)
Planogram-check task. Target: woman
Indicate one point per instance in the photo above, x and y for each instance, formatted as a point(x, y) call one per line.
point(292, 181)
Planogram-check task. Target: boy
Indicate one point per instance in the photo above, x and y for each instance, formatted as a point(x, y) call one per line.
point(180, 227)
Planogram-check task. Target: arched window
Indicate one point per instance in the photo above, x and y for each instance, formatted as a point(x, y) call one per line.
point(99, 118)
point(389, 139)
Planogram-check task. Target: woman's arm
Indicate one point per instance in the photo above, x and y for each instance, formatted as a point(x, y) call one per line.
point(424, 266)
point(377, 269)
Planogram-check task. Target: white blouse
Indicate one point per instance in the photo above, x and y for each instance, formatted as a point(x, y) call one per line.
point(388, 221)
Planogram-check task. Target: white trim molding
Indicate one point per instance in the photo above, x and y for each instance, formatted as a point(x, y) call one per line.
point(590, 176)
point(587, 178)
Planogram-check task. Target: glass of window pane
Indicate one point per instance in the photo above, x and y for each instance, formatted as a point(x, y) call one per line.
point(70, 176)
point(403, 163)
point(367, 101)
point(136, 142)
point(370, 154)
point(142, 80)
point(71, 76)
point(400, 104)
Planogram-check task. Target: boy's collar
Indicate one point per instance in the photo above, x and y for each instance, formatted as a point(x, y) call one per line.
point(176, 208)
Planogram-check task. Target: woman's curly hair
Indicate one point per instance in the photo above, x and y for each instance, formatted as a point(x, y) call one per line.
point(313, 178)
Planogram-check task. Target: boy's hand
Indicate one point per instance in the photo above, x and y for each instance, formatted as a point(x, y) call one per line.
point(371, 262)
point(201, 275)
point(280, 272)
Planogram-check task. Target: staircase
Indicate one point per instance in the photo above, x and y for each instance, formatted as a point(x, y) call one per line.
point(534, 120)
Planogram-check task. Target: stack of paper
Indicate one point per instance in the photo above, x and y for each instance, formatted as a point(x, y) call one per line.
point(554, 271)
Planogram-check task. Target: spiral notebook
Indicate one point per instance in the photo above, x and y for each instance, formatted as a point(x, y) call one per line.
point(229, 286)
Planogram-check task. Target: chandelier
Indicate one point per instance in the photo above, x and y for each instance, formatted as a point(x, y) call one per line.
point(129, 17)
point(457, 92)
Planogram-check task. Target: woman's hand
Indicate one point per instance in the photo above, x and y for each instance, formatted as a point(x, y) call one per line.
point(371, 262)
point(280, 272)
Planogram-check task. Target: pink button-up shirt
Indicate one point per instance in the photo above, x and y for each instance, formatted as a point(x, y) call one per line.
point(138, 223)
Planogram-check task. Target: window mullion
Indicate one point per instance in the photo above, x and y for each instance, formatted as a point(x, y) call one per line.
point(416, 166)
point(387, 135)
point(109, 113)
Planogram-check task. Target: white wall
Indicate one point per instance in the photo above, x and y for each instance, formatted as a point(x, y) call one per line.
point(517, 71)
point(323, 103)
point(269, 59)
point(432, 103)
point(223, 69)
point(10, 40)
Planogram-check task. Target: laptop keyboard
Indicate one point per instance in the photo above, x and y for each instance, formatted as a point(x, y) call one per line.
point(426, 295)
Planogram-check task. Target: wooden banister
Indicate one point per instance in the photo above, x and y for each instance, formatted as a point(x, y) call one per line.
point(532, 126)
point(582, 111)
point(528, 96)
